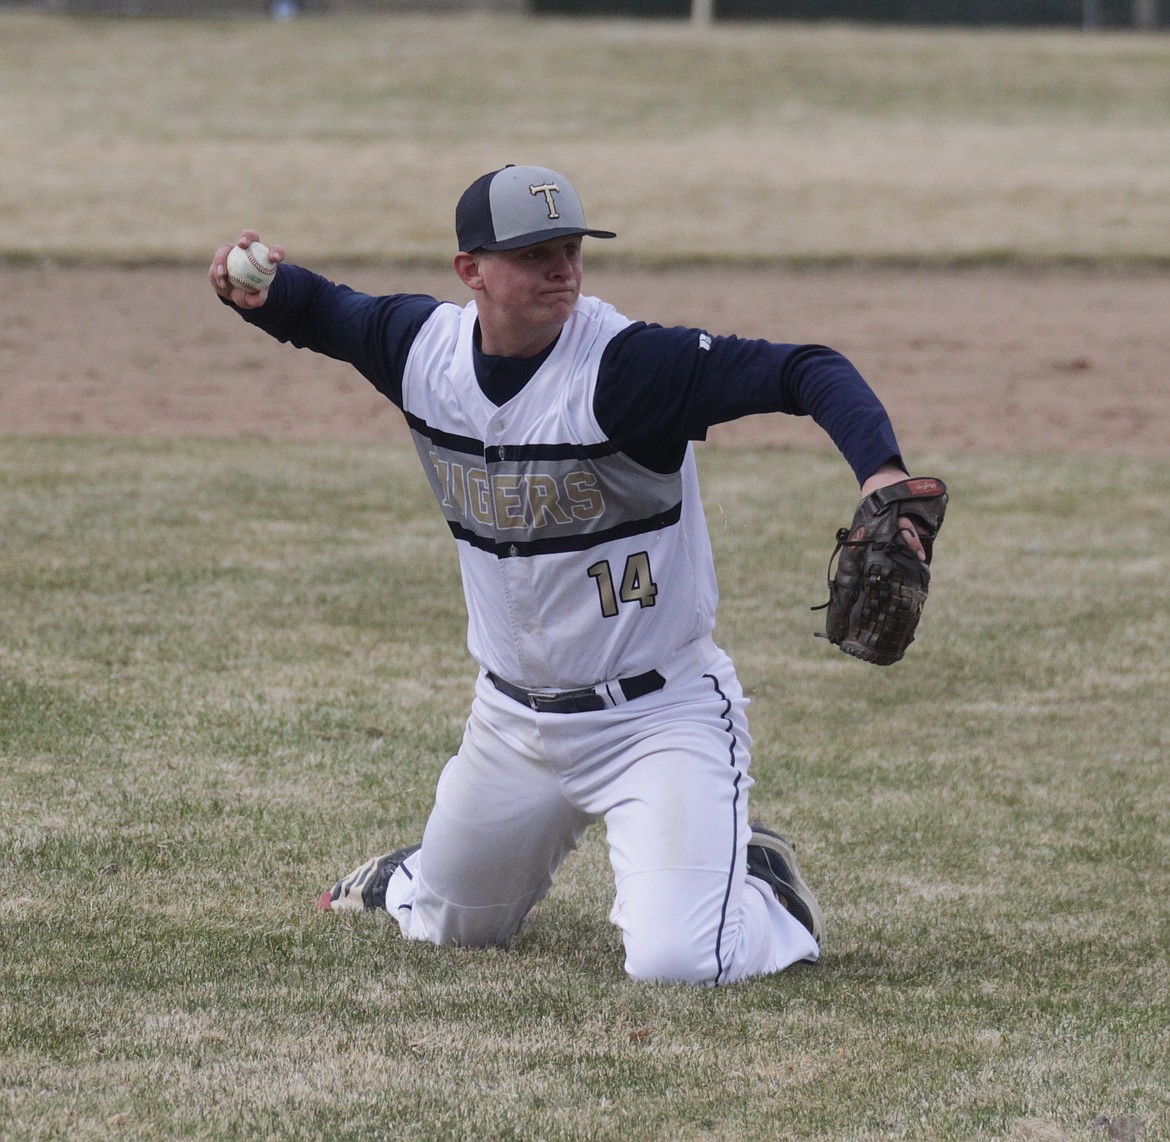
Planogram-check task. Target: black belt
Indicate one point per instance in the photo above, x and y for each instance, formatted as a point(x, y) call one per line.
point(581, 701)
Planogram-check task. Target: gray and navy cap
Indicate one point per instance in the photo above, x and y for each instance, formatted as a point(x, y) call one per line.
point(519, 206)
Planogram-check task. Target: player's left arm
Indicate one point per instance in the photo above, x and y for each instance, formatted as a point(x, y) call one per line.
point(673, 384)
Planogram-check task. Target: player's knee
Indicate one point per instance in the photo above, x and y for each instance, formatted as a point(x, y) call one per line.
point(668, 960)
point(439, 921)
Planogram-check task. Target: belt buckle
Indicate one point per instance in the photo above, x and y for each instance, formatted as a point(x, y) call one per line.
point(535, 698)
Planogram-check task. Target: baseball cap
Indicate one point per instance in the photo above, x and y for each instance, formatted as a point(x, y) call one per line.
point(519, 206)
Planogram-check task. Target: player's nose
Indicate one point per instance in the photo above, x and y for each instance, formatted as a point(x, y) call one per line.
point(560, 266)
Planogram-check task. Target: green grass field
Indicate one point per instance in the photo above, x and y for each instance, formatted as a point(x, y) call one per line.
point(229, 669)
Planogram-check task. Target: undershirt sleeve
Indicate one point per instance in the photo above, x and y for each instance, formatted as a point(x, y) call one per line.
point(659, 388)
point(374, 334)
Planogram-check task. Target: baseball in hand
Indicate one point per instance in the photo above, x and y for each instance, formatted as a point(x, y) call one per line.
point(250, 269)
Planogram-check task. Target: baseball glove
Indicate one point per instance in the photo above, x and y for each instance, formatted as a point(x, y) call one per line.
point(879, 586)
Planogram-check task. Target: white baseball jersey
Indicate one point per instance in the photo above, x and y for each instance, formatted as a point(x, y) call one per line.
point(579, 565)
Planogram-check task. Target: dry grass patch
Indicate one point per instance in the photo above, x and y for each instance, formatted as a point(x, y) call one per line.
point(352, 137)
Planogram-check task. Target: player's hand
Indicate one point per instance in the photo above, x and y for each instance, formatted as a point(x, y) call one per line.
point(217, 272)
point(883, 477)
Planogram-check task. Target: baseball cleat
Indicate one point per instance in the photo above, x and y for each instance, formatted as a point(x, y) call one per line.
point(773, 859)
point(364, 890)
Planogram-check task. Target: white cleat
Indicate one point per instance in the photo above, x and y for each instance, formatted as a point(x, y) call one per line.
point(364, 890)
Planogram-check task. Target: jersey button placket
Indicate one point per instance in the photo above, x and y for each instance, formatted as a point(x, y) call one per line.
point(515, 573)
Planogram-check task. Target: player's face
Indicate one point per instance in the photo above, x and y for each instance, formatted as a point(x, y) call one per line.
point(530, 292)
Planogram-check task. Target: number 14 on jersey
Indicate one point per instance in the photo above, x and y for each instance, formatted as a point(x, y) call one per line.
point(637, 584)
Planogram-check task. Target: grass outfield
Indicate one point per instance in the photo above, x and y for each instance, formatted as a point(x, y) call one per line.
point(229, 669)
point(352, 138)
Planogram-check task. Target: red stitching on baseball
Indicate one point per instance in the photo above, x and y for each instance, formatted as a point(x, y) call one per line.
point(266, 267)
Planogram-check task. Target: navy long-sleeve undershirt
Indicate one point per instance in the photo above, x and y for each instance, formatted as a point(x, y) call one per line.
point(657, 387)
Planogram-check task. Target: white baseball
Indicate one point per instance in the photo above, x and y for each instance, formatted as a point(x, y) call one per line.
point(250, 269)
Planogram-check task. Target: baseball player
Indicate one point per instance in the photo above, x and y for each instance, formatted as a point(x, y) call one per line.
point(557, 438)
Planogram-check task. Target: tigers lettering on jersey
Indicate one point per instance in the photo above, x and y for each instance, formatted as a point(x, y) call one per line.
point(511, 501)
point(534, 499)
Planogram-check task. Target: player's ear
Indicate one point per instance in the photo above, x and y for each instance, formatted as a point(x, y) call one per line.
point(467, 267)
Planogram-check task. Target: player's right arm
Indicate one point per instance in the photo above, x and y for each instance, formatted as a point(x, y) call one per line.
point(304, 309)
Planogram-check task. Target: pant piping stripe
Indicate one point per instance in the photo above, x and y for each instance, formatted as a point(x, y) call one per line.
point(731, 755)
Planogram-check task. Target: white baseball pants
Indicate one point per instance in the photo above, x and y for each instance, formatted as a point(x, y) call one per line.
point(667, 773)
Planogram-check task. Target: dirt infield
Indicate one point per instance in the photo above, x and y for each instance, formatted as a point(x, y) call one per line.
point(987, 360)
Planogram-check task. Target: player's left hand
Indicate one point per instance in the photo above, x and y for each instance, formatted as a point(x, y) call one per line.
point(882, 574)
point(907, 529)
